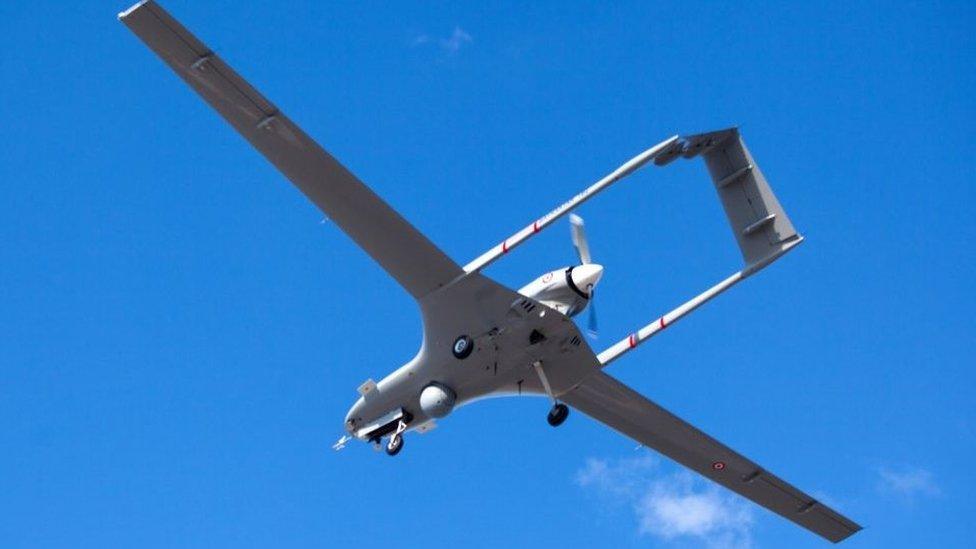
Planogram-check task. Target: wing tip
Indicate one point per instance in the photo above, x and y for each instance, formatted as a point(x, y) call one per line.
point(846, 535)
point(125, 13)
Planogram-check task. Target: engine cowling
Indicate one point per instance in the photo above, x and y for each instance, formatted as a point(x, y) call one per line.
point(437, 400)
point(566, 290)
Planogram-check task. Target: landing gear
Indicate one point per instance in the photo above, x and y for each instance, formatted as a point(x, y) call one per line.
point(394, 446)
point(558, 414)
point(395, 443)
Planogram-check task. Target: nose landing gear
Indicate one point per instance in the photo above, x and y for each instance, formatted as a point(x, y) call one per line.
point(395, 444)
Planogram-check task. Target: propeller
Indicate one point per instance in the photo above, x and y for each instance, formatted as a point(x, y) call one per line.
point(591, 327)
point(579, 239)
point(583, 250)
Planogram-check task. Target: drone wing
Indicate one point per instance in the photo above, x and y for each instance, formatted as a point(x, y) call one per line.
point(620, 407)
point(413, 260)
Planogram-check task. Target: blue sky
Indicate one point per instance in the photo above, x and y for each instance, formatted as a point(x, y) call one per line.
point(180, 336)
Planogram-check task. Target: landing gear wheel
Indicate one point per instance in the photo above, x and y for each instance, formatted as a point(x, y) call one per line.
point(462, 347)
point(558, 414)
point(394, 446)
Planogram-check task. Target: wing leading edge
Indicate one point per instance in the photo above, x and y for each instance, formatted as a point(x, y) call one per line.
point(609, 401)
point(406, 254)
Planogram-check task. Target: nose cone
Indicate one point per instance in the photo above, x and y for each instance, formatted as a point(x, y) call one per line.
point(354, 416)
point(586, 276)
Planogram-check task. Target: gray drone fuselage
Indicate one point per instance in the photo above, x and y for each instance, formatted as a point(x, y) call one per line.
point(533, 329)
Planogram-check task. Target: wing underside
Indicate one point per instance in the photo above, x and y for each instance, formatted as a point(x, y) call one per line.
point(611, 402)
point(406, 254)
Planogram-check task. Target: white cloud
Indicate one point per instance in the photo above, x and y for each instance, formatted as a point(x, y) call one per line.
point(683, 505)
point(457, 39)
point(452, 44)
point(672, 506)
point(908, 482)
point(624, 477)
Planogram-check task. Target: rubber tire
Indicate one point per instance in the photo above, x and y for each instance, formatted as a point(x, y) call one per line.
point(558, 414)
point(394, 450)
point(465, 350)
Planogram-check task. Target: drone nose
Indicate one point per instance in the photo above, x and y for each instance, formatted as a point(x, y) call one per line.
point(586, 276)
point(354, 416)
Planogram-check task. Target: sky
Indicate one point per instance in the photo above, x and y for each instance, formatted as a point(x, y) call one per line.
point(181, 335)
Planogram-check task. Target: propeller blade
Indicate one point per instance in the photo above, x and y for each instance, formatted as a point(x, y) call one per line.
point(579, 238)
point(591, 326)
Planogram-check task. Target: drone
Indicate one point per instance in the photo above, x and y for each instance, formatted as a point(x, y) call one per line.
point(482, 339)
